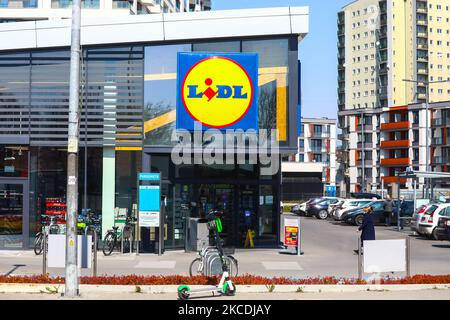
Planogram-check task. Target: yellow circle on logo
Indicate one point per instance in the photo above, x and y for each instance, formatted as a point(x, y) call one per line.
point(217, 92)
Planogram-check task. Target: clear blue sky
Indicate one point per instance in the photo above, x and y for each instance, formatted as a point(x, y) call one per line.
point(318, 51)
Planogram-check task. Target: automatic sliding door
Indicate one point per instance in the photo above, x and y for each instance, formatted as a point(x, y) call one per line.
point(11, 215)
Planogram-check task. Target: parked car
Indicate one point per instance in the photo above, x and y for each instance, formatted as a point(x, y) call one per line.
point(443, 228)
point(347, 205)
point(356, 216)
point(332, 207)
point(364, 195)
point(299, 209)
point(430, 219)
point(417, 216)
point(320, 209)
point(302, 209)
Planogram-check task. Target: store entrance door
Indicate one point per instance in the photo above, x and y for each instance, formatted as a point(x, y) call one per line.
point(219, 197)
point(14, 222)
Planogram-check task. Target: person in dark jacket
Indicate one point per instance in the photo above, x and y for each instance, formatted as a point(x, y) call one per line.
point(388, 208)
point(367, 228)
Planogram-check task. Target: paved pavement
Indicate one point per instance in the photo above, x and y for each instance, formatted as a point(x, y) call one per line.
point(432, 294)
point(327, 245)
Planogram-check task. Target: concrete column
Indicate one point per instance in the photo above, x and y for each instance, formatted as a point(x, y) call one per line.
point(108, 188)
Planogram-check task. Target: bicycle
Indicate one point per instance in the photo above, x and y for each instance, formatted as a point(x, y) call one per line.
point(51, 228)
point(112, 237)
point(197, 266)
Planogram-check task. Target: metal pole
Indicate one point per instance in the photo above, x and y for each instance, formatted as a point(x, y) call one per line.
point(363, 184)
point(408, 257)
point(382, 189)
point(71, 281)
point(138, 228)
point(44, 255)
point(415, 195)
point(398, 204)
point(299, 240)
point(427, 148)
point(360, 273)
point(94, 269)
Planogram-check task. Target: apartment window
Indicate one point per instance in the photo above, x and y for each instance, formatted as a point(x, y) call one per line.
point(415, 115)
point(317, 130)
point(301, 157)
point(416, 136)
point(416, 155)
point(317, 157)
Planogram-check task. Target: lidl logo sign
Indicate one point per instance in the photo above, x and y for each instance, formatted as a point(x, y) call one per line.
point(217, 90)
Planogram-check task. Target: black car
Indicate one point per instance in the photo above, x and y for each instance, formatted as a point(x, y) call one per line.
point(364, 195)
point(443, 229)
point(320, 209)
point(356, 215)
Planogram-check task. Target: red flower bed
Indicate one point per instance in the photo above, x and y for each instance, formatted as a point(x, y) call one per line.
point(202, 280)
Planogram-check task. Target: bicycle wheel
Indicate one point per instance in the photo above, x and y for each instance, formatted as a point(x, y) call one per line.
point(194, 267)
point(233, 267)
point(109, 243)
point(39, 243)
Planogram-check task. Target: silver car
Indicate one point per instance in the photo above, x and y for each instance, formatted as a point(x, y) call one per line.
point(349, 205)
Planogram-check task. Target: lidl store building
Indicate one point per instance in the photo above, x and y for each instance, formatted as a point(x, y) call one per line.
point(128, 115)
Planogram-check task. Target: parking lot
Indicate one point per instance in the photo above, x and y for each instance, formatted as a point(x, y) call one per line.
point(327, 246)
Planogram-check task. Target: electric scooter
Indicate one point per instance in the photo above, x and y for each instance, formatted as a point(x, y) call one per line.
point(226, 286)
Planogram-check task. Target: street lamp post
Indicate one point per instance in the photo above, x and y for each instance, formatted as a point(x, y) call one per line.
point(427, 107)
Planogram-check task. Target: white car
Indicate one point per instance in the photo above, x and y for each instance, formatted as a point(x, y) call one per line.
point(429, 220)
point(417, 216)
point(347, 205)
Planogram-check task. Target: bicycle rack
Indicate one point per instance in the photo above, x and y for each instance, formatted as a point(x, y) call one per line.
point(130, 240)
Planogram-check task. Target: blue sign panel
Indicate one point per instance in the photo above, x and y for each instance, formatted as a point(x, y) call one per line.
point(149, 176)
point(330, 191)
point(149, 198)
point(217, 90)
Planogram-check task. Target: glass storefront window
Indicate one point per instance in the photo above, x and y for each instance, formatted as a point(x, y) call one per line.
point(48, 185)
point(160, 92)
point(273, 84)
point(128, 164)
point(14, 161)
point(223, 46)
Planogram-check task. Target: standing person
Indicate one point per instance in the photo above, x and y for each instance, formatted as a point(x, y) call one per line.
point(367, 228)
point(388, 210)
point(403, 209)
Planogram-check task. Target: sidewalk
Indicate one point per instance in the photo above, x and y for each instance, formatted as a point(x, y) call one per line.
point(433, 294)
point(327, 246)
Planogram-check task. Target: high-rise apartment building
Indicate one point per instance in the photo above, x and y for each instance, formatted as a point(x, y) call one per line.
point(25, 10)
point(382, 43)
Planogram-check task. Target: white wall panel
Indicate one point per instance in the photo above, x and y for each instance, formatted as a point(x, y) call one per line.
point(158, 27)
point(226, 27)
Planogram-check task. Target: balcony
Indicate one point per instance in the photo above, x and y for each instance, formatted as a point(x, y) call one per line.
point(388, 180)
point(395, 162)
point(395, 144)
point(441, 160)
point(367, 163)
point(422, 22)
point(343, 136)
point(422, 34)
point(439, 122)
point(367, 145)
point(318, 149)
point(367, 127)
point(18, 4)
point(437, 141)
point(393, 126)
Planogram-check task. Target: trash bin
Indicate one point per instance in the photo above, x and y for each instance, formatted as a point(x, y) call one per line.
point(197, 234)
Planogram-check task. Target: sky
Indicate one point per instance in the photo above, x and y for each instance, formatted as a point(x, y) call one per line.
point(317, 52)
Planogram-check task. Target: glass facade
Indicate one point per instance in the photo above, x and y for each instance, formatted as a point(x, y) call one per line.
point(160, 85)
point(128, 114)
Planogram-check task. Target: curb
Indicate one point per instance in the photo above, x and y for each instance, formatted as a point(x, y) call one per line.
point(164, 289)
